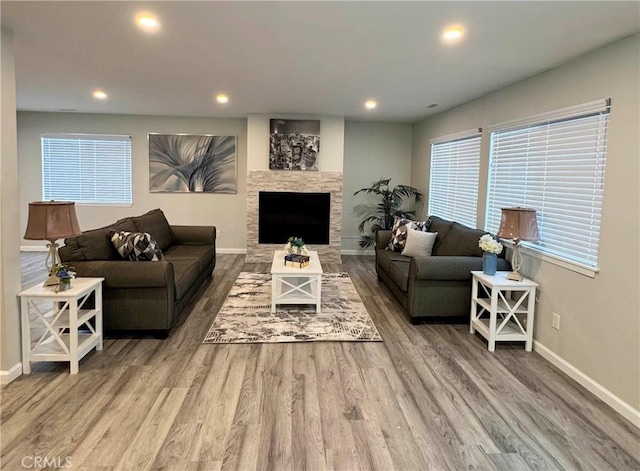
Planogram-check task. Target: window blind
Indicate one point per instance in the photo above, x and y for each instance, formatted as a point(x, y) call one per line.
point(86, 168)
point(556, 167)
point(453, 180)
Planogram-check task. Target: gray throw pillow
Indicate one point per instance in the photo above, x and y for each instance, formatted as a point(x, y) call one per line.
point(418, 243)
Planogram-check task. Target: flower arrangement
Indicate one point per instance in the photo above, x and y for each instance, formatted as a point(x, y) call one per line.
point(489, 244)
point(64, 272)
point(295, 245)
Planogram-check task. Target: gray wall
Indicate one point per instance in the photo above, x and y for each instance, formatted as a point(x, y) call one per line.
point(371, 151)
point(9, 235)
point(600, 321)
point(226, 212)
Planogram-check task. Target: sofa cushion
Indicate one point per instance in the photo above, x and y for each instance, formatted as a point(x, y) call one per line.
point(186, 272)
point(399, 232)
point(203, 253)
point(399, 273)
point(155, 223)
point(95, 244)
point(419, 243)
point(385, 257)
point(461, 241)
point(442, 227)
point(136, 246)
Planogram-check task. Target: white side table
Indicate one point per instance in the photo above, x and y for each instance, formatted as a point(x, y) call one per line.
point(291, 285)
point(507, 314)
point(61, 340)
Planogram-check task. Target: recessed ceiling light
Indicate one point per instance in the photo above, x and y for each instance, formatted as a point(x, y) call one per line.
point(147, 22)
point(100, 95)
point(370, 104)
point(222, 98)
point(452, 33)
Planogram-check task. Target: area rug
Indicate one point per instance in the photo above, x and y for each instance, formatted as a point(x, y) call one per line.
point(245, 316)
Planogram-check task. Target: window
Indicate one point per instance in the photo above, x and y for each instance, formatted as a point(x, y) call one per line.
point(453, 183)
point(555, 164)
point(86, 168)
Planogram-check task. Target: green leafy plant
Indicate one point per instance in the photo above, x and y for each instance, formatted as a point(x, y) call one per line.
point(64, 272)
point(296, 245)
point(391, 204)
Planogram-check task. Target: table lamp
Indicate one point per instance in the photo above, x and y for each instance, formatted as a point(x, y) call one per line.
point(518, 224)
point(52, 220)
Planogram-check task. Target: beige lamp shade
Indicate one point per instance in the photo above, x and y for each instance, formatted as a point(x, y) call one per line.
point(519, 224)
point(52, 220)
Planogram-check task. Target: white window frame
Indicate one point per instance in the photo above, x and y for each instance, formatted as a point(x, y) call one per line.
point(89, 169)
point(548, 153)
point(454, 176)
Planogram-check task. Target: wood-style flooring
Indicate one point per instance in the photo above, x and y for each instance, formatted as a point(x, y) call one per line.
point(428, 397)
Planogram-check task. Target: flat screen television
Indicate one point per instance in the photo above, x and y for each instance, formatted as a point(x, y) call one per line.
point(285, 214)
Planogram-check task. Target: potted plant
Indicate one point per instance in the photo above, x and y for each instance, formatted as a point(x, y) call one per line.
point(64, 273)
point(296, 245)
point(390, 205)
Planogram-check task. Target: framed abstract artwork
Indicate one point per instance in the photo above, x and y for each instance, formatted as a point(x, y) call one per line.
point(294, 144)
point(190, 163)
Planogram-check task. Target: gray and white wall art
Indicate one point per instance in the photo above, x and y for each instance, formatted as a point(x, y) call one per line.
point(294, 144)
point(187, 163)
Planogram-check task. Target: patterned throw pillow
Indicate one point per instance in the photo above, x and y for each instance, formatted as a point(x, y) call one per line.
point(399, 232)
point(136, 246)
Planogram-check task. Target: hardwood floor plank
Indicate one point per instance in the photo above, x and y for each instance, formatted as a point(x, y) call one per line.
point(397, 432)
point(336, 431)
point(308, 451)
point(220, 409)
point(151, 435)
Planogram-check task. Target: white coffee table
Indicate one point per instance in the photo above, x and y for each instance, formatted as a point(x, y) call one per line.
point(291, 285)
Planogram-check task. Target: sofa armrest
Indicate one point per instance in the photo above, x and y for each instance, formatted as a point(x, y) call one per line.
point(383, 236)
point(128, 274)
point(448, 267)
point(194, 235)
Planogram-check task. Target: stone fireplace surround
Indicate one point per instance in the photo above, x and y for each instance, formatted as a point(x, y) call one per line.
point(304, 182)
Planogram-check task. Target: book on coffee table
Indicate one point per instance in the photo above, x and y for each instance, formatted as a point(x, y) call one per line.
point(296, 260)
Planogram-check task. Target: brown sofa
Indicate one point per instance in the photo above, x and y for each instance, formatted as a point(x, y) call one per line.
point(435, 288)
point(138, 295)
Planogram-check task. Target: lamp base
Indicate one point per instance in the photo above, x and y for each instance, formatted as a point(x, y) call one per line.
point(514, 276)
point(52, 280)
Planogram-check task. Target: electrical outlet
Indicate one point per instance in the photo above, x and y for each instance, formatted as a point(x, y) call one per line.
point(218, 232)
point(555, 321)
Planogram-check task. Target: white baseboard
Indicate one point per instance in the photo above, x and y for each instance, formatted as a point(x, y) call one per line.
point(606, 396)
point(7, 376)
point(33, 248)
point(231, 251)
point(358, 252)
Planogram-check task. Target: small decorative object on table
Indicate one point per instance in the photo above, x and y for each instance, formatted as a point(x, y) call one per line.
point(296, 261)
point(296, 245)
point(64, 273)
point(491, 249)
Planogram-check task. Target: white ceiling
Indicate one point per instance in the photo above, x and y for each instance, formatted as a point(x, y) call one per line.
point(321, 58)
